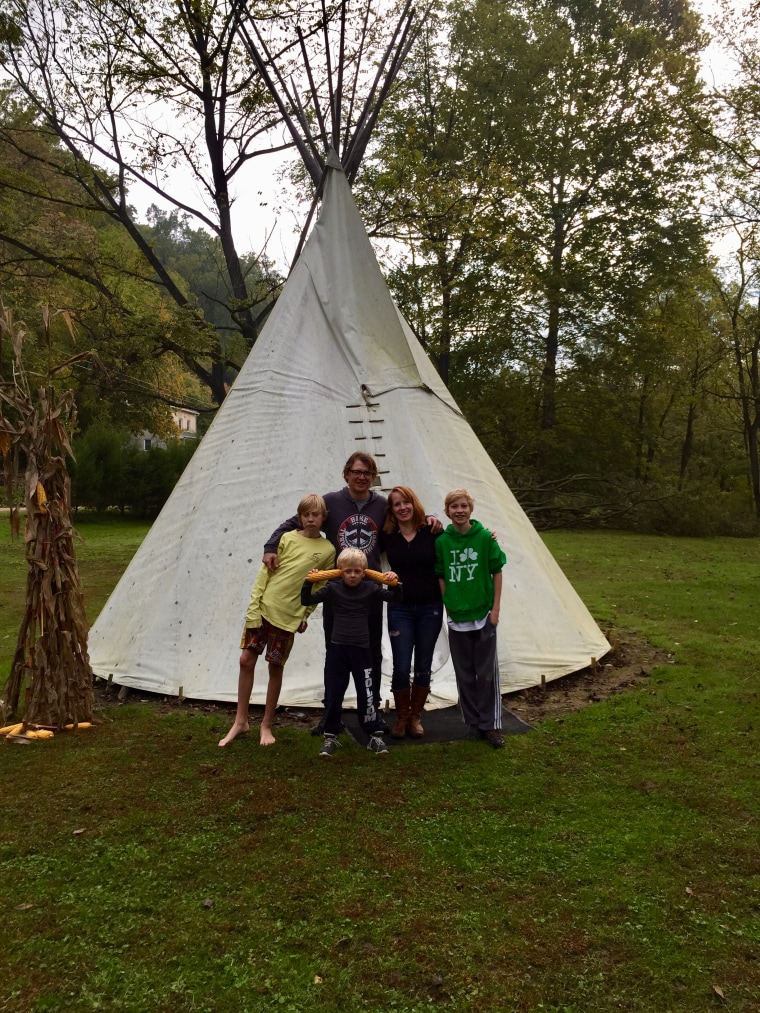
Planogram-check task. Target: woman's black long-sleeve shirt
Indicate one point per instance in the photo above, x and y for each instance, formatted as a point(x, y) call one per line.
point(414, 562)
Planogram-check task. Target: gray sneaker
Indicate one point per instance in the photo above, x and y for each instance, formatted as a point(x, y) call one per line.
point(377, 745)
point(330, 745)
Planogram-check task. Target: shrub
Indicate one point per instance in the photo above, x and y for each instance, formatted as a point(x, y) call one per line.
point(97, 472)
point(111, 473)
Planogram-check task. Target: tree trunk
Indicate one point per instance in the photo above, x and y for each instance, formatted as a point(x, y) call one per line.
point(217, 382)
point(754, 377)
point(687, 445)
point(754, 464)
point(643, 398)
point(443, 357)
point(444, 348)
point(749, 396)
point(214, 113)
point(551, 344)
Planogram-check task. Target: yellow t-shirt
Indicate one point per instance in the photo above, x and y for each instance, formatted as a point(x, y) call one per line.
point(277, 596)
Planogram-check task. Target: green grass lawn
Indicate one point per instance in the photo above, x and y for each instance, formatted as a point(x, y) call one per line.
point(609, 860)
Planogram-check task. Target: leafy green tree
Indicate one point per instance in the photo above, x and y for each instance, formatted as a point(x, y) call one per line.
point(98, 472)
point(545, 171)
point(81, 270)
point(196, 256)
point(737, 212)
point(740, 298)
point(137, 91)
point(735, 129)
point(110, 472)
point(431, 185)
point(642, 433)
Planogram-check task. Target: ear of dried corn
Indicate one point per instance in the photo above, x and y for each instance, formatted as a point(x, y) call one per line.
point(381, 578)
point(376, 575)
point(319, 575)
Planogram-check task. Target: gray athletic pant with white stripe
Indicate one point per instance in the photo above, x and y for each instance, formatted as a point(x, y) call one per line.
point(476, 666)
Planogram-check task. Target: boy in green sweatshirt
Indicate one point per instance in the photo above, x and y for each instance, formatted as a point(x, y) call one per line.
point(468, 563)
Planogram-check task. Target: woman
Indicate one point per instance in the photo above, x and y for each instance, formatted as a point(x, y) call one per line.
point(414, 624)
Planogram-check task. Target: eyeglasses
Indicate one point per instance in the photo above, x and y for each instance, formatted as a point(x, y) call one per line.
point(357, 473)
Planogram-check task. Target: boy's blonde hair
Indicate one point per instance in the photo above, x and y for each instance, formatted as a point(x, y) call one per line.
point(457, 494)
point(312, 502)
point(351, 557)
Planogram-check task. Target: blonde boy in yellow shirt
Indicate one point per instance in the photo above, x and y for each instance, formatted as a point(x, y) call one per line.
point(275, 613)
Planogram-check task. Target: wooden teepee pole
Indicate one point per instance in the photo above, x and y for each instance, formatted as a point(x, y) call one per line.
point(311, 160)
point(339, 85)
point(339, 152)
point(355, 82)
point(312, 87)
point(355, 150)
point(328, 61)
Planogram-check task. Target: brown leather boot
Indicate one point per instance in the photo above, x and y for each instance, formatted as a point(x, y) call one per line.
point(402, 698)
point(414, 725)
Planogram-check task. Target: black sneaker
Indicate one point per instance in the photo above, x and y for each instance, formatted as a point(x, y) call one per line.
point(330, 745)
point(377, 745)
point(318, 729)
point(494, 738)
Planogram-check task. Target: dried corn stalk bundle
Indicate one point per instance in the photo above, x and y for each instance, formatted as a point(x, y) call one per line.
point(51, 659)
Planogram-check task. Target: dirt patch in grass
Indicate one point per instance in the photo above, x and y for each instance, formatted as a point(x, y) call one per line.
point(629, 663)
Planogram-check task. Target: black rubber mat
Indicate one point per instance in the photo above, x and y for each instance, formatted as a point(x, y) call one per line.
point(444, 725)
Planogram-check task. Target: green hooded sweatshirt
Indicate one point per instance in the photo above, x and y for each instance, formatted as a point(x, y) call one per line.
point(467, 564)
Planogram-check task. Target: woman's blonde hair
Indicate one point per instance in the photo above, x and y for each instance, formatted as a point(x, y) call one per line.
point(457, 494)
point(418, 511)
point(312, 502)
point(351, 557)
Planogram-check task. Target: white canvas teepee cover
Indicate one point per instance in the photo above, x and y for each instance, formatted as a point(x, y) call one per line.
point(335, 370)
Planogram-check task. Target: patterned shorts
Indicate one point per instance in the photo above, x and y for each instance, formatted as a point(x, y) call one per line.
point(276, 641)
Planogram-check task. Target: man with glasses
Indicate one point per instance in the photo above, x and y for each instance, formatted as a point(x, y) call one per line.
point(355, 517)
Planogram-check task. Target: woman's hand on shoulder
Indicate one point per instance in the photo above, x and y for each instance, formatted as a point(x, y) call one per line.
point(434, 524)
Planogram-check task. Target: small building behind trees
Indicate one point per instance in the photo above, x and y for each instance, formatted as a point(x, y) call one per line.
point(186, 421)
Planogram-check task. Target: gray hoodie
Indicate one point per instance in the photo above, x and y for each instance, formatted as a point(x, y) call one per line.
point(347, 526)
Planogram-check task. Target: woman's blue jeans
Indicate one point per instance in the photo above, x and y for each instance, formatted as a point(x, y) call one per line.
point(413, 630)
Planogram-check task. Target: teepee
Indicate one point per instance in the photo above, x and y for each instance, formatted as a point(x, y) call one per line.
point(336, 369)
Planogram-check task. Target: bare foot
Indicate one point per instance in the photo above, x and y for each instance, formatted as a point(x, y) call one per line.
point(233, 733)
point(265, 737)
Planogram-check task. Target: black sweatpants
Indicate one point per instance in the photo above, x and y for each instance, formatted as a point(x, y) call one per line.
point(476, 666)
point(344, 661)
point(375, 621)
